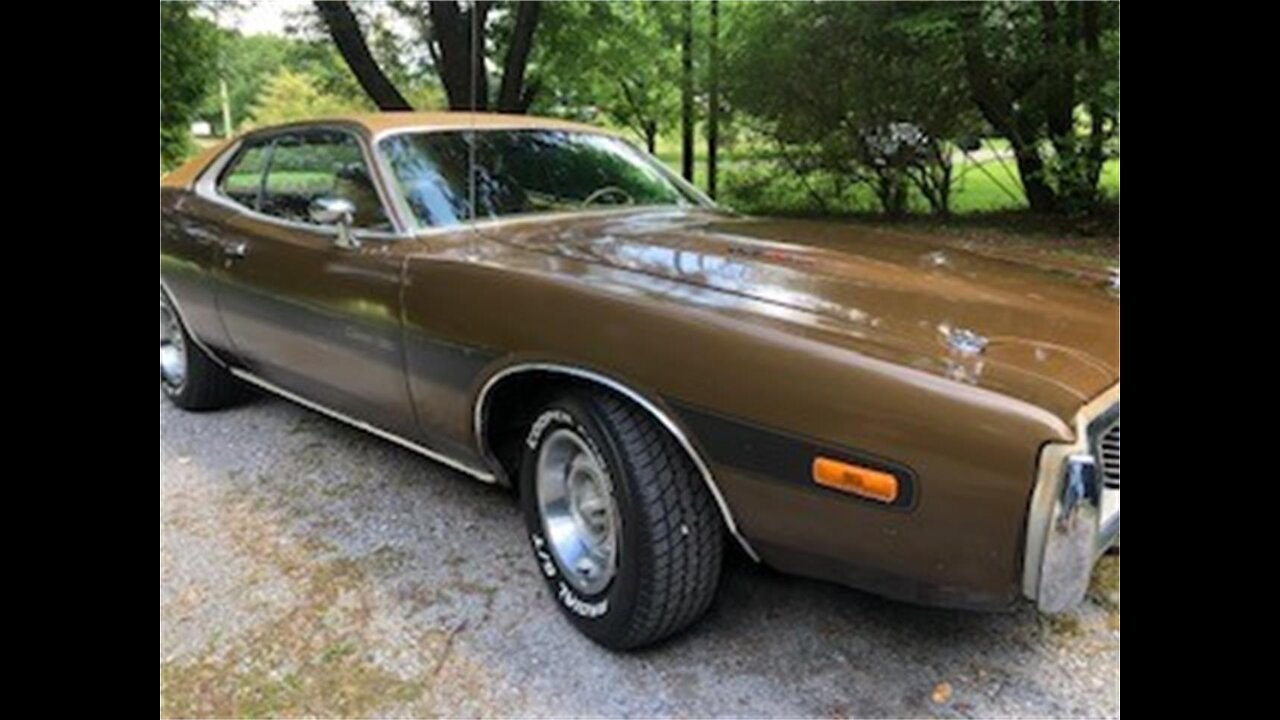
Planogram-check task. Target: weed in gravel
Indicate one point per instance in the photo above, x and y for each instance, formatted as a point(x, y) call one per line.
point(304, 662)
point(1104, 586)
point(1065, 625)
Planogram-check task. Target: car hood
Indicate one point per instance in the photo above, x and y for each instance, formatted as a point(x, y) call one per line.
point(1029, 327)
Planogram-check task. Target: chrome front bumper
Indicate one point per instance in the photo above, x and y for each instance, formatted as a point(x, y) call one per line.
point(1074, 516)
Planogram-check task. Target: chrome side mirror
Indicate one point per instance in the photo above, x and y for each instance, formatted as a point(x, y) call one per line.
point(335, 211)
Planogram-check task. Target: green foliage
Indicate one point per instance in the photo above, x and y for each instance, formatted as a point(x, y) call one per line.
point(288, 96)
point(247, 63)
point(853, 92)
point(415, 81)
point(1046, 77)
point(616, 61)
point(825, 107)
point(188, 50)
point(764, 186)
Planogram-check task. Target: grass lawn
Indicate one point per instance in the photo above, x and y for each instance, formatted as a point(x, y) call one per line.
point(281, 180)
point(991, 185)
point(987, 204)
point(994, 185)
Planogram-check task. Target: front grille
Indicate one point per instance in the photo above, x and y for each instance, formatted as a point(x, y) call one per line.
point(1109, 455)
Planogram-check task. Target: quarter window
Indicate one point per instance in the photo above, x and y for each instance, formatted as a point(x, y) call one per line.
point(242, 179)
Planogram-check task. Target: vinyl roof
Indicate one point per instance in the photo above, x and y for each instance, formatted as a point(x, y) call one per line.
point(384, 121)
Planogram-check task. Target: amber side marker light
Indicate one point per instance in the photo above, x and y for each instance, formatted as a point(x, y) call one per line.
point(855, 479)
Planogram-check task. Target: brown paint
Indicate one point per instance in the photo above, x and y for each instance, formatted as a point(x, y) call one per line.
point(824, 331)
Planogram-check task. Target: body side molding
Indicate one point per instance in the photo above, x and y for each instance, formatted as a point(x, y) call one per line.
point(656, 412)
point(481, 475)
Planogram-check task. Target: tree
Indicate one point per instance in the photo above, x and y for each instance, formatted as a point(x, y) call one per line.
point(312, 51)
point(1045, 75)
point(853, 94)
point(346, 33)
point(186, 76)
point(288, 96)
point(686, 94)
point(713, 96)
point(912, 101)
point(460, 38)
point(610, 59)
point(245, 64)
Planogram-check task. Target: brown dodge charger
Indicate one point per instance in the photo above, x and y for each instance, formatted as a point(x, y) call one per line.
point(541, 305)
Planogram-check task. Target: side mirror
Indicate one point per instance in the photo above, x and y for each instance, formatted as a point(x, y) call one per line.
point(335, 211)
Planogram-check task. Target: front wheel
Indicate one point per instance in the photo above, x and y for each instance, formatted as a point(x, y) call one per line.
point(624, 530)
point(189, 377)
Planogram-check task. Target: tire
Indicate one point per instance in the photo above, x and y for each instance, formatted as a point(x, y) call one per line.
point(667, 531)
point(189, 377)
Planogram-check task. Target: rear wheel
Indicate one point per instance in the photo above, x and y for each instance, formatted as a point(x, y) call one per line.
point(623, 528)
point(188, 376)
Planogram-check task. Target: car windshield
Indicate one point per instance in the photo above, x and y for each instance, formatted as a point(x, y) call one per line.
point(522, 173)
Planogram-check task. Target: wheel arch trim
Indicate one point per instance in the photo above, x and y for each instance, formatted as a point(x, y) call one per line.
point(651, 407)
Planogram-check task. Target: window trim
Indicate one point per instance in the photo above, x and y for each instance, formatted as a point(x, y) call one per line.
point(207, 185)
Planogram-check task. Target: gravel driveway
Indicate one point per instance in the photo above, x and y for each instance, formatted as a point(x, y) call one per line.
point(309, 569)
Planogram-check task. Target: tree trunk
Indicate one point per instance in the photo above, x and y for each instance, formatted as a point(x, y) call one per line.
point(998, 106)
point(651, 137)
point(686, 88)
point(461, 70)
point(1040, 194)
point(1090, 28)
point(346, 35)
point(713, 97)
point(513, 96)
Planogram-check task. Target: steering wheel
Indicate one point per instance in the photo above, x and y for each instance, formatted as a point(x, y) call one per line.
point(608, 190)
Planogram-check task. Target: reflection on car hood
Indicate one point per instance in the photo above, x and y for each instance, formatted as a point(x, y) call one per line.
point(1022, 326)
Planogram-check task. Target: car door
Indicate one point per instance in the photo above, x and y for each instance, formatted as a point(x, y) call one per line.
point(308, 308)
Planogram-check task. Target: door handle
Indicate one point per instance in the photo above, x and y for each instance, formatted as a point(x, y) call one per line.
point(235, 249)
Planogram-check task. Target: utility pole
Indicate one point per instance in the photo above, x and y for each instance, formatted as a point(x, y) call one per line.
point(226, 108)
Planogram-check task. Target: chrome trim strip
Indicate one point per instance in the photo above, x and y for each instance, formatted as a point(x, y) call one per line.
point(663, 418)
point(480, 475)
point(1047, 494)
point(534, 124)
point(491, 223)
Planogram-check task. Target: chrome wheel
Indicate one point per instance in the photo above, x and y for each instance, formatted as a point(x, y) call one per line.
point(173, 348)
point(575, 500)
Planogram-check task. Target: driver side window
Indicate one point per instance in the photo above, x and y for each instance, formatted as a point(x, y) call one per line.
point(303, 167)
